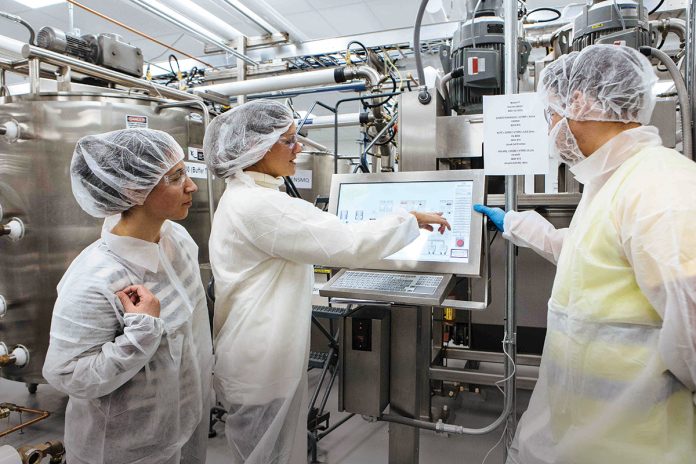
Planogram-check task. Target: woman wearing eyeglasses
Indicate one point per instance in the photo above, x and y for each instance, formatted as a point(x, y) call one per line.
point(130, 338)
point(262, 248)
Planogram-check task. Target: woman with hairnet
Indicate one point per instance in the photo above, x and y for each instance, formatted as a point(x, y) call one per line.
point(262, 248)
point(130, 337)
point(618, 371)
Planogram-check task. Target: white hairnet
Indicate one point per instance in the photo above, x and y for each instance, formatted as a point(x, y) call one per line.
point(611, 83)
point(242, 136)
point(553, 83)
point(114, 171)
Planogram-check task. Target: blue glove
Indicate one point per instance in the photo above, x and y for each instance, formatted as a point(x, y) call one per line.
point(496, 215)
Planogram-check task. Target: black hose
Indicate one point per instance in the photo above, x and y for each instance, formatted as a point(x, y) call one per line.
point(386, 100)
point(659, 4)
point(423, 96)
point(361, 45)
point(552, 10)
point(17, 19)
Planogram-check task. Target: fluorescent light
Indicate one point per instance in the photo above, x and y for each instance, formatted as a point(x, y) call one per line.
point(39, 3)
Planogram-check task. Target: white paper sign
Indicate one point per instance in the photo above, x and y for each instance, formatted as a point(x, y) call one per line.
point(515, 135)
point(302, 179)
point(196, 170)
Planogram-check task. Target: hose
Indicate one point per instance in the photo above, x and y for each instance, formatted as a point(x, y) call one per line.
point(17, 19)
point(552, 10)
point(682, 94)
point(659, 4)
point(423, 95)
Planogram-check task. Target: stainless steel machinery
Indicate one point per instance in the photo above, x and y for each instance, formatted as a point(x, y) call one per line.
point(35, 187)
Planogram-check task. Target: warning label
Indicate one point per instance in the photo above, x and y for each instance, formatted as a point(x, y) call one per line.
point(136, 122)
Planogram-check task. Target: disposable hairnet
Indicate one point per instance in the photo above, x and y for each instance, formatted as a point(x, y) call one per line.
point(114, 171)
point(611, 83)
point(553, 83)
point(241, 137)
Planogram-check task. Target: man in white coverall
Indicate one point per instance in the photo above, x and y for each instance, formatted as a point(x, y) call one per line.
point(262, 248)
point(618, 371)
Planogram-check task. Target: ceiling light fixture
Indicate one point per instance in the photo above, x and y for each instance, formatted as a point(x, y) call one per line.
point(189, 26)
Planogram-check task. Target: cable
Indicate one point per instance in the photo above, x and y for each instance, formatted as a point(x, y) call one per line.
point(361, 45)
point(167, 49)
point(659, 4)
point(552, 10)
point(18, 20)
point(375, 105)
point(496, 445)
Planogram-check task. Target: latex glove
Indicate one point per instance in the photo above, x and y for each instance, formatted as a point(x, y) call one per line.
point(496, 215)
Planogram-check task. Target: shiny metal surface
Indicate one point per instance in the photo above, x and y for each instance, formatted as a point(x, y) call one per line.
point(459, 136)
point(35, 186)
point(418, 132)
point(510, 340)
point(322, 167)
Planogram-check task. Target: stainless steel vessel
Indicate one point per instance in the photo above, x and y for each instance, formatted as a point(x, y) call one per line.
point(35, 186)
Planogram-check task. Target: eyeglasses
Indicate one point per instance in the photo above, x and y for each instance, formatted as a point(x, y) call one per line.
point(548, 114)
point(178, 177)
point(291, 142)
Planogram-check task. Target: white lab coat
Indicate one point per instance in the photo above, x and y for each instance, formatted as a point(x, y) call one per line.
point(529, 229)
point(262, 248)
point(139, 386)
point(619, 365)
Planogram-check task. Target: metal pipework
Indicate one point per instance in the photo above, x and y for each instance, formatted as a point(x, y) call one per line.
point(18, 357)
point(510, 337)
point(30, 52)
point(33, 454)
point(675, 25)
point(14, 229)
point(193, 31)
point(206, 121)
point(17, 19)
point(345, 119)
point(41, 415)
point(682, 94)
point(294, 81)
point(690, 59)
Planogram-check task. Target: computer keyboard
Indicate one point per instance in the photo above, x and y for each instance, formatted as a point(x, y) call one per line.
point(388, 282)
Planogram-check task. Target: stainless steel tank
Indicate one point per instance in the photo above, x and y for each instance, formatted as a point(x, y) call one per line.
point(35, 186)
point(322, 168)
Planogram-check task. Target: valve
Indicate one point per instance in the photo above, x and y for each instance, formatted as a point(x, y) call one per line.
point(19, 356)
point(9, 130)
point(13, 229)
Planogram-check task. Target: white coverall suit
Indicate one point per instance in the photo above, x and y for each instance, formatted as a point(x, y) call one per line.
point(140, 386)
point(618, 371)
point(262, 248)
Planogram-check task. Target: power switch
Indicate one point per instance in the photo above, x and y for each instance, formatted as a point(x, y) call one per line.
point(362, 334)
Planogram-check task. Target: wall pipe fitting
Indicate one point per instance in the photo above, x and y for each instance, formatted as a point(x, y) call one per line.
point(18, 357)
point(13, 229)
point(682, 94)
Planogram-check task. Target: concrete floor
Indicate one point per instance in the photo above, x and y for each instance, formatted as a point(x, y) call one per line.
point(355, 442)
